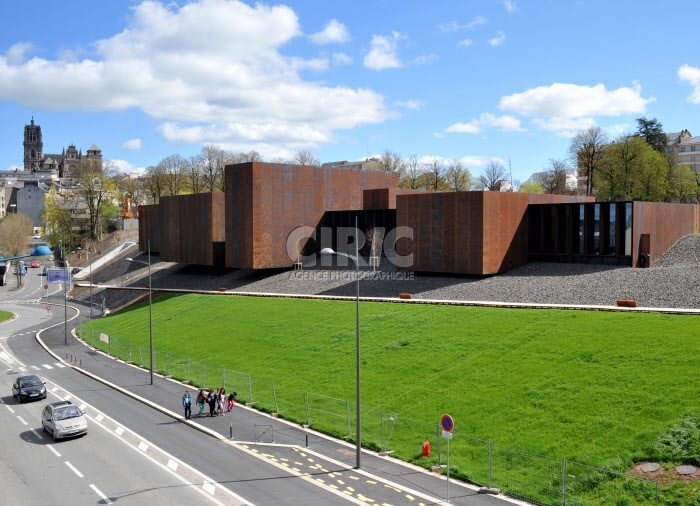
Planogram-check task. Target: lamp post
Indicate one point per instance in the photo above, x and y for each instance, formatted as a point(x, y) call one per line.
point(150, 303)
point(14, 207)
point(356, 259)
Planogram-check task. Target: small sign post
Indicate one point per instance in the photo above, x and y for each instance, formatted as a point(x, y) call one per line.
point(447, 424)
point(48, 311)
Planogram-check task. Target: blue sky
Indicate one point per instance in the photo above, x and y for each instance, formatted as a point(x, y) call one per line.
point(470, 80)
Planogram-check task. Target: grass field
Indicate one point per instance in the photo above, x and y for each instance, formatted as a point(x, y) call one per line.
point(4, 316)
point(592, 387)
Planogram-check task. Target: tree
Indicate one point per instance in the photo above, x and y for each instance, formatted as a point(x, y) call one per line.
point(586, 152)
point(305, 157)
point(174, 167)
point(458, 178)
point(15, 229)
point(193, 172)
point(531, 187)
point(435, 174)
point(154, 183)
point(95, 185)
point(391, 162)
point(491, 178)
point(652, 131)
point(58, 218)
point(553, 180)
point(683, 184)
point(413, 174)
point(212, 160)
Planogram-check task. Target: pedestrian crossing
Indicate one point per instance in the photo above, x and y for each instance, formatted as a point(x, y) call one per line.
point(43, 367)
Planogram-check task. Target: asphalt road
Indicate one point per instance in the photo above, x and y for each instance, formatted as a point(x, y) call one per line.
point(140, 450)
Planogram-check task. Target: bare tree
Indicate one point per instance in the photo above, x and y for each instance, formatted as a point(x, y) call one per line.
point(413, 173)
point(458, 178)
point(435, 174)
point(212, 161)
point(174, 167)
point(305, 157)
point(154, 183)
point(96, 186)
point(553, 179)
point(391, 162)
point(491, 178)
point(586, 152)
point(193, 170)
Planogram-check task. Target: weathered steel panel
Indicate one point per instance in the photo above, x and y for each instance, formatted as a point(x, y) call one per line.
point(665, 223)
point(148, 228)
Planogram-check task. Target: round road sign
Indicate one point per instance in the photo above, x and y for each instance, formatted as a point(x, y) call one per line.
point(48, 308)
point(447, 423)
point(46, 287)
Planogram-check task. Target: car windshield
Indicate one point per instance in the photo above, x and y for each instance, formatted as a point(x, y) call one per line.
point(29, 382)
point(67, 412)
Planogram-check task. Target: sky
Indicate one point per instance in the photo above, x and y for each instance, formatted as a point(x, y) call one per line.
point(475, 81)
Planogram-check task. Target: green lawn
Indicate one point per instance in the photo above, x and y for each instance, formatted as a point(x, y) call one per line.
point(5, 315)
point(593, 387)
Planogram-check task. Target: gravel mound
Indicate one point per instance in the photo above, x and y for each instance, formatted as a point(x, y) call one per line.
point(672, 282)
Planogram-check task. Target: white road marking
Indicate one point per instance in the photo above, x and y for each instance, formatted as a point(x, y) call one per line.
point(99, 418)
point(23, 369)
point(172, 464)
point(82, 407)
point(38, 436)
point(36, 368)
point(22, 420)
point(143, 446)
point(46, 366)
point(67, 397)
point(208, 487)
point(72, 468)
point(54, 389)
point(119, 431)
point(55, 452)
point(102, 496)
point(8, 407)
point(59, 365)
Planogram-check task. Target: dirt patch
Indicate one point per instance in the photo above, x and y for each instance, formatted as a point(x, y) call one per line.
point(663, 476)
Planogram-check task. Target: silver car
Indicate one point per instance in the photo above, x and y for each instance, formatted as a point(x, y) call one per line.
point(63, 419)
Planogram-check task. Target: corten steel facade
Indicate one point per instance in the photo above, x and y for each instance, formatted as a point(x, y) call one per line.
point(336, 226)
point(468, 232)
point(608, 232)
point(385, 198)
point(191, 229)
point(265, 202)
point(148, 228)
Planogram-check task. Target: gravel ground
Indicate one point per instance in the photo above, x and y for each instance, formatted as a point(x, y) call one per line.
point(670, 283)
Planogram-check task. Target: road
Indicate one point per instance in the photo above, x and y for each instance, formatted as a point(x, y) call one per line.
point(137, 452)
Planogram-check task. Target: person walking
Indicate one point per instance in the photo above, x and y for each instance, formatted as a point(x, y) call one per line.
point(187, 404)
point(212, 403)
point(231, 400)
point(201, 399)
point(222, 401)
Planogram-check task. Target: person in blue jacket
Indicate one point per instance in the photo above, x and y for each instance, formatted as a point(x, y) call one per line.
point(187, 404)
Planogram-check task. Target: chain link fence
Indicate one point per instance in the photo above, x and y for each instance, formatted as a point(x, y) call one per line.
point(519, 474)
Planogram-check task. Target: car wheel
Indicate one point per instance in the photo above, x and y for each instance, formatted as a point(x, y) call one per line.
point(19, 399)
point(43, 426)
point(53, 435)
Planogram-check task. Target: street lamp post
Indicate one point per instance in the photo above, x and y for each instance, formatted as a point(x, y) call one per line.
point(90, 262)
point(356, 259)
point(150, 303)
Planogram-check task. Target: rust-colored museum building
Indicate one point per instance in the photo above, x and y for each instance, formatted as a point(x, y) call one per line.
point(480, 233)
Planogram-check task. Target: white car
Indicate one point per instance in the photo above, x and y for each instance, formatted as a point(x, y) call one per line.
point(63, 419)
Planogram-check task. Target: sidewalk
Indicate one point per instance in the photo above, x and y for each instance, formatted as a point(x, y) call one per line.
point(382, 480)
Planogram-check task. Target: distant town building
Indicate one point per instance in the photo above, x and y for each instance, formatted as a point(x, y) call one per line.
point(63, 164)
point(365, 165)
point(686, 147)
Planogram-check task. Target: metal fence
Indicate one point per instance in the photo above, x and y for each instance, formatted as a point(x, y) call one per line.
point(533, 478)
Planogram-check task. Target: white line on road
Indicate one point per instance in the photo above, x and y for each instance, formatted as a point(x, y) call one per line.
point(22, 420)
point(59, 365)
point(38, 436)
point(8, 407)
point(119, 431)
point(55, 452)
point(102, 496)
point(36, 368)
point(46, 366)
point(72, 468)
point(143, 446)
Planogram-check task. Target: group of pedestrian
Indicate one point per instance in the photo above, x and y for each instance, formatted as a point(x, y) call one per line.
point(216, 399)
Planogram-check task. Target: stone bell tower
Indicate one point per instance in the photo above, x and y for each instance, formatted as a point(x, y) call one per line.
point(33, 146)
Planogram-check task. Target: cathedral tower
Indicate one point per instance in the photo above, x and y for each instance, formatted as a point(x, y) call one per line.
point(33, 146)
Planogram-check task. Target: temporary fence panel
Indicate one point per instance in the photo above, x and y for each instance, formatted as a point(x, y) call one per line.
point(328, 414)
point(526, 476)
point(590, 485)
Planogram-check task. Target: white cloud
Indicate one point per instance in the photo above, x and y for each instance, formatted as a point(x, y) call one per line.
point(498, 40)
point(123, 166)
point(465, 43)
point(341, 59)
point(13, 167)
point(692, 75)
point(479, 161)
point(504, 123)
point(382, 53)
point(333, 32)
point(132, 145)
point(510, 5)
point(439, 135)
point(564, 127)
point(209, 71)
point(573, 101)
point(410, 104)
point(423, 59)
point(15, 55)
point(453, 26)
